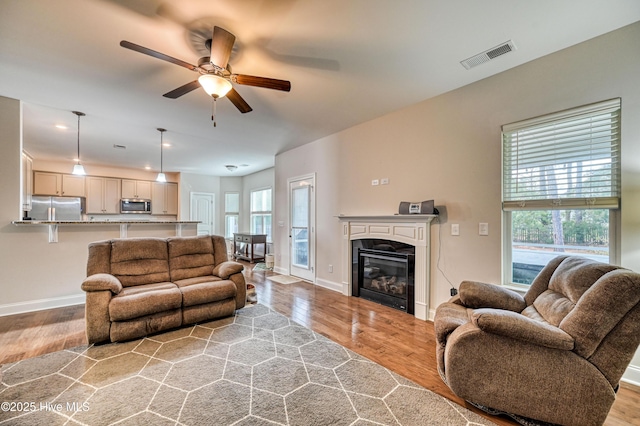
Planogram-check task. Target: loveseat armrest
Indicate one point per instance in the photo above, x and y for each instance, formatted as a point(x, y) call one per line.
point(517, 326)
point(102, 282)
point(474, 294)
point(225, 269)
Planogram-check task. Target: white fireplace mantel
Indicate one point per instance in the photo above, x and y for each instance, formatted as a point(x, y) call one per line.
point(413, 229)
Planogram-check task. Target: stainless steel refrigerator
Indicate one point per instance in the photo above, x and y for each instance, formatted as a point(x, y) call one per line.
point(56, 208)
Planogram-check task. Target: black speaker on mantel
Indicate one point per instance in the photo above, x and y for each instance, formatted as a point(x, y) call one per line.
point(424, 207)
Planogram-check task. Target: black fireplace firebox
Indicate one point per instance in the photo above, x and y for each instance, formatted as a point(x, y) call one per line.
point(383, 272)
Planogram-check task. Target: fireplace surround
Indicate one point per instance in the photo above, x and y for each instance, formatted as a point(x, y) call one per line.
point(412, 229)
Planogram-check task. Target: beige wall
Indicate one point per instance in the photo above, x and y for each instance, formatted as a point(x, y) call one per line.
point(448, 149)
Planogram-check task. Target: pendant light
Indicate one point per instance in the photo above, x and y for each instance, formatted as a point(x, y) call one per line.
point(78, 169)
point(161, 176)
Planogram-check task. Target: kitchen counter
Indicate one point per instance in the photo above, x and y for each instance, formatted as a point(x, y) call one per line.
point(123, 223)
point(97, 222)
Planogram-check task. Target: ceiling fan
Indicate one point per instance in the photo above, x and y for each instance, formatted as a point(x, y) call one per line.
point(215, 71)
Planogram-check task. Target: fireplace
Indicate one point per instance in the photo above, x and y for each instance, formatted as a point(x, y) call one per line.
point(410, 229)
point(383, 272)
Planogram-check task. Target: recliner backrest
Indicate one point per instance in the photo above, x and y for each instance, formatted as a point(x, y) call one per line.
point(137, 261)
point(190, 257)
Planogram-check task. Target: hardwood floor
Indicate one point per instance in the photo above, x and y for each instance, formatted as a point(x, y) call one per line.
point(391, 338)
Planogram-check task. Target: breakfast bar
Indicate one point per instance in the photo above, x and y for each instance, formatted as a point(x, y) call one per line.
point(127, 227)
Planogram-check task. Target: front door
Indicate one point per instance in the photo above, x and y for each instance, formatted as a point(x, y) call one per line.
point(202, 204)
point(302, 227)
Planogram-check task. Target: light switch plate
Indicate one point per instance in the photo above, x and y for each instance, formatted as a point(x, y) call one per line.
point(455, 229)
point(483, 228)
point(375, 182)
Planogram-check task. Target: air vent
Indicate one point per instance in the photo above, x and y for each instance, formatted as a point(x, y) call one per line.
point(116, 146)
point(488, 55)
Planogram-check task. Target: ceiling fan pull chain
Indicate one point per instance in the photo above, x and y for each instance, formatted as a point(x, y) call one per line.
point(213, 112)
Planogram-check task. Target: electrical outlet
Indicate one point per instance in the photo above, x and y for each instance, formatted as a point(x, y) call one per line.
point(483, 228)
point(330, 268)
point(455, 229)
point(375, 182)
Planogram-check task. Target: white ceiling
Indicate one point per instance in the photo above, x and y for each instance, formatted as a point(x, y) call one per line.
point(348, 62)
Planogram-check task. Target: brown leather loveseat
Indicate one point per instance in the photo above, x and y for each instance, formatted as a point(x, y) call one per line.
point(139, 286)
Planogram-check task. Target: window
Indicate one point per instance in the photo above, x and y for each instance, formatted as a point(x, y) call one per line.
point(231, 213)
point(561, 188)
point(261, 212)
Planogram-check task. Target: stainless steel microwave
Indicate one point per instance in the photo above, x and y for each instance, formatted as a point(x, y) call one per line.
point(135, 205)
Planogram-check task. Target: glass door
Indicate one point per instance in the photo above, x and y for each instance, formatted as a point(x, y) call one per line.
point(302, 229)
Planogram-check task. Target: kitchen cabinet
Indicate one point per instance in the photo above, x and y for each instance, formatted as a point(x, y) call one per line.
point(27, 181)
point(57, 184)
point(164, 198)
point(73, 186)
point(136, 189)
point(103, 195)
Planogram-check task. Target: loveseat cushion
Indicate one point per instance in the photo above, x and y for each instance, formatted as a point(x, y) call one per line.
point(136, 261)
point(190, 257)
point(196, 291)
point(144, 299)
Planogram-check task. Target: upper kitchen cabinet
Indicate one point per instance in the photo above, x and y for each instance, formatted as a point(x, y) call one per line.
point(136, 189)
point(57, 184)
point(164, 198)
point(103, 195)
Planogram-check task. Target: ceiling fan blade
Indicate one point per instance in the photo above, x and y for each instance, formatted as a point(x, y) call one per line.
point(237, 100)
point(221, 45)
point(158, 55)
point(267, 83)
point(182, 90)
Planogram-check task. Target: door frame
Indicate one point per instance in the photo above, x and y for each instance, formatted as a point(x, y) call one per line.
point(312, 224)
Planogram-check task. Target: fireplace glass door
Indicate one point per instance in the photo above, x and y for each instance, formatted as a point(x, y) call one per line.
point(386, 277)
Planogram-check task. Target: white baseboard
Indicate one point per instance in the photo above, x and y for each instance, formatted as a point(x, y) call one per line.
point(41, 304)
point(632, 375)
point(331, 285)
point(280, 270)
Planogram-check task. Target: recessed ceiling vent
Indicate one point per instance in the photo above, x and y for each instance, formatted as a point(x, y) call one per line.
point(116, 146)
point(488, 55)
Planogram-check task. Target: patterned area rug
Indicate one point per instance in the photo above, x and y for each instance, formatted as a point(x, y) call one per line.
point(255, 368)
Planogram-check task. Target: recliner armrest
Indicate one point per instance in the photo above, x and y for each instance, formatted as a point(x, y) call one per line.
point(475, 295)
point(517, 326)
point(228, 268)
point(102, 282)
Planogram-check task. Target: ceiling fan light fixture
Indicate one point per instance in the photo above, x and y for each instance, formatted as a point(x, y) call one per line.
point(214, 85)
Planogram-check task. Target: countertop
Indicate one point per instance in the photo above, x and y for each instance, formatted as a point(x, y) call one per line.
point(102, 222)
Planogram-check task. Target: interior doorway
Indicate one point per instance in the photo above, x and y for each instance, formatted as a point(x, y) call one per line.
point(302, 214)
point(202, 209)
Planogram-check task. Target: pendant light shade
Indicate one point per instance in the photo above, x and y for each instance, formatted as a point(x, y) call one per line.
point(214, 85)
point(161, 176)
point(78, 169)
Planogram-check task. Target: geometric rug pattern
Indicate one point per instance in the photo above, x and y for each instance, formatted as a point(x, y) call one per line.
point(255, 368)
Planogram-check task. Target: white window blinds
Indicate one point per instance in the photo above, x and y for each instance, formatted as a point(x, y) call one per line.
point(570, 159)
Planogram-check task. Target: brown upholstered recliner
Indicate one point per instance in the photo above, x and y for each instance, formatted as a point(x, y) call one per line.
point(555, 354)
